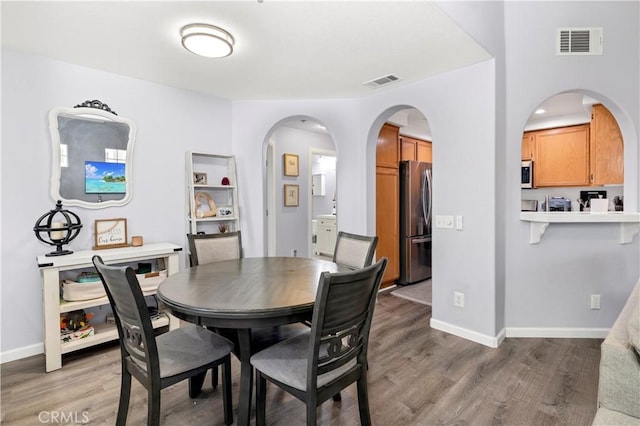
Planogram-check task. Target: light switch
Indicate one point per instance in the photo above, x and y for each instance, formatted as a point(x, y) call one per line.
point(445, 222)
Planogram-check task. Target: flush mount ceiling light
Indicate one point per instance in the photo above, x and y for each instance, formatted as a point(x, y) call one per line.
point(207, 40)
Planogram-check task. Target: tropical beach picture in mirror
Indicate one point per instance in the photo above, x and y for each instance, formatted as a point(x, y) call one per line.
point(104, 178)
point(92, 151)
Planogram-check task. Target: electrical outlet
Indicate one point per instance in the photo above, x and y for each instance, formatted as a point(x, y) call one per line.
point(595, 301)
point(458, 299)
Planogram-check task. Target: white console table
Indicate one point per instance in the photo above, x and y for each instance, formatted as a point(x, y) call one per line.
point(539, 222)
point(54, 305)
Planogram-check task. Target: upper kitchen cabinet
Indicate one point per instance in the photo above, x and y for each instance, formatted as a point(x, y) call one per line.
point(415, 149)
point(562, 157)
point(527, 145)
point(578, 144)
point(607, 148)
point(387, 153)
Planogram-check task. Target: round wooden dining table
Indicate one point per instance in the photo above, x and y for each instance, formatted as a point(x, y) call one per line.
point(245, 294)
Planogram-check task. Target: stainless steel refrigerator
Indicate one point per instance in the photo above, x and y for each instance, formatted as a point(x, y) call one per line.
point(415, 221)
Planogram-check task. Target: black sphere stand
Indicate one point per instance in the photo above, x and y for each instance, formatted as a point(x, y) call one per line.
point(57, 228)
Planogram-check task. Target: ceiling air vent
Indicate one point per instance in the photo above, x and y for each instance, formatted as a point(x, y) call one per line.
point(381, 81)
point(579, 41)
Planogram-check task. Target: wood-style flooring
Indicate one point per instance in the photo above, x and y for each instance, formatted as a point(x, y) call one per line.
point(417, 376)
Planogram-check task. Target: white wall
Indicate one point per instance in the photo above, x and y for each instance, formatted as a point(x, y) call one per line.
point(549, 284)
point(169, 122)
point(460, 109)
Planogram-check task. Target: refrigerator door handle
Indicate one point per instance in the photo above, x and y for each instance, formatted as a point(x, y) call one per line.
point(420, 240)
point(426, 201)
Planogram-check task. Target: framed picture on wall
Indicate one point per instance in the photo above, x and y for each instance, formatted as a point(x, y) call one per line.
point(291, 193)
point(290, 167)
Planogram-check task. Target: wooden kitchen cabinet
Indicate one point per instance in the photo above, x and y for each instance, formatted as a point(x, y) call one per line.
point(528, 145)
point(562, 156)
point(424, 151)
point(607, 148)
point(387, 152)
point(387, 201)
point(407, 149)
point(388, 221)
point(415, 149)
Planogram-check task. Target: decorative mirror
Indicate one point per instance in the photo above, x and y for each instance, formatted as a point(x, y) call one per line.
point(92, 156)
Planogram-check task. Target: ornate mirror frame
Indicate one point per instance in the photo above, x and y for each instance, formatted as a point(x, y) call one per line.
point(85, 132)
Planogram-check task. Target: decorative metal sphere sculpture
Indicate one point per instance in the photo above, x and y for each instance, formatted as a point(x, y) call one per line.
point(59, 227)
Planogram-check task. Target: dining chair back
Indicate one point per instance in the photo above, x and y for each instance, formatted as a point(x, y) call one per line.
point(353, 250)
point(207, 248)
point(157, 362)
point(317, 365)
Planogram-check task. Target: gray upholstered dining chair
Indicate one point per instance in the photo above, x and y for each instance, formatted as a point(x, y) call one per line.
point(354, 251)
point(317, 365)
point(207, 248)
point(157, 362)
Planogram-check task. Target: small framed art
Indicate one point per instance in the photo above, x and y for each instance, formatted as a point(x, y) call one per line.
point(291, 193)
point(199, 178)
point(110, 233)
point(290, 167)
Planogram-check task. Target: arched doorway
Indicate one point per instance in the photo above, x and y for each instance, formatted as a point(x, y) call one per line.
point(404, 137)
point(288, 186)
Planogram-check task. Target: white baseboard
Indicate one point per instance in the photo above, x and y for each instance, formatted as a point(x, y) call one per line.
point(474, 336)
point(558, 332)
point(23, 352)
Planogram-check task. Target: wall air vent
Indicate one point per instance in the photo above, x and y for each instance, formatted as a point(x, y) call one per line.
point(381, 81)
point(579, 41)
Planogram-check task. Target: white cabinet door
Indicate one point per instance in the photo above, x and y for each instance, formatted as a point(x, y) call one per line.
point(326, 237)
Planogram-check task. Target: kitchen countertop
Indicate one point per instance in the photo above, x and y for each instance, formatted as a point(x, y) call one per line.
point(327, 216)
point(539, 221)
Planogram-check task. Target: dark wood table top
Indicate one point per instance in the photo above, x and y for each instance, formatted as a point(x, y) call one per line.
point(247, 292)
point(244, 294)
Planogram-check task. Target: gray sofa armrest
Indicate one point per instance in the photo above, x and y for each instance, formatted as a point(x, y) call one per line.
point(619, 384)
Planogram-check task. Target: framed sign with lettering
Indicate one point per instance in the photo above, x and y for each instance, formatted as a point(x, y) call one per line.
point(110, 233)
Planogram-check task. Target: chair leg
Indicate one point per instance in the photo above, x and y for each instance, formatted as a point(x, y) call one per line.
point(261, 399)
point(195, 384)
point(214, 377)
point(125, 394)
point(312, 413)
point(153, 410)
point(226, 390)
point(363, 401)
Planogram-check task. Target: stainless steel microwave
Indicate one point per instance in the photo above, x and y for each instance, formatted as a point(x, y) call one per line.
point(527, 174)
